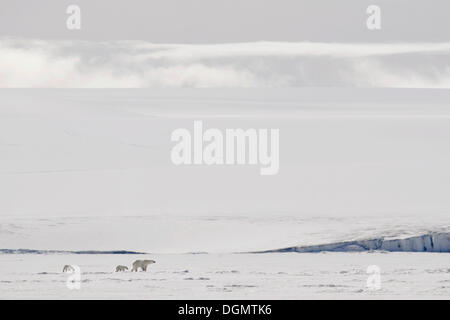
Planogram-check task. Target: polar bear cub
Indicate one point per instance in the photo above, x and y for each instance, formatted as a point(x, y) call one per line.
point(121, 268)
point(141, 264)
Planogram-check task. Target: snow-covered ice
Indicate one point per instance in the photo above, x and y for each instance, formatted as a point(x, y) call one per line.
point(90, 170)
point(229, 276)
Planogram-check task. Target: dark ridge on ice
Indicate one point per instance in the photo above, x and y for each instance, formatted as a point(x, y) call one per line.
point(432, 242)
point(33, 251)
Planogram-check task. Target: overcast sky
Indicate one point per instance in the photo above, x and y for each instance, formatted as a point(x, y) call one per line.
point(410, 50)
point(205, 21)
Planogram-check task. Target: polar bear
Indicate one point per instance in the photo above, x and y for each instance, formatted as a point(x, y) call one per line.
point(68, 268)
point(120, 268)
point(141, 264)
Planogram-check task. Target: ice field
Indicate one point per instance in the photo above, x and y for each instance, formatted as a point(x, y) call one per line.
point(89, 170)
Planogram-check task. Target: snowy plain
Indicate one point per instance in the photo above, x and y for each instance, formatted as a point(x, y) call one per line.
point(87, 169)
point(229, 276)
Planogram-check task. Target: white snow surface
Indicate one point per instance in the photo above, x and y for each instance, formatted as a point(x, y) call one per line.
point(90, 170)
point(229, 276)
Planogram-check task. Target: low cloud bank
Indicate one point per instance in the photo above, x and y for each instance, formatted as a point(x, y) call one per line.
point(138, 64)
